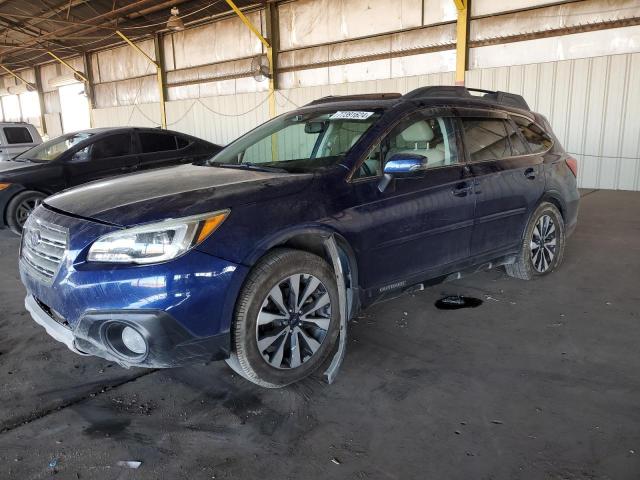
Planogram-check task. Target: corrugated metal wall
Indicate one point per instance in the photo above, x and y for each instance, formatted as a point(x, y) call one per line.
point(593, 105)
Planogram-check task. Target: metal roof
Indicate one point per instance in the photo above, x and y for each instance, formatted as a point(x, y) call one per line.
point(70, 27)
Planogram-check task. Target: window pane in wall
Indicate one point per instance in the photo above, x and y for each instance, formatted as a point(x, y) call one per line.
point(11, 107)
point(305, 22)
point(438, 11)
point(75, 108)
point(577, 45)
point(30, 105)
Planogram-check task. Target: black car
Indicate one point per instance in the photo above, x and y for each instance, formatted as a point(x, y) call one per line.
point(80, 157)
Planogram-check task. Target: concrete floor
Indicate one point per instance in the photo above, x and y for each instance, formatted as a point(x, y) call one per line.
point(540, 382)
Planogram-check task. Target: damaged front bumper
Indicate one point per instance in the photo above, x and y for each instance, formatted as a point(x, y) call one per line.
point(166, 343)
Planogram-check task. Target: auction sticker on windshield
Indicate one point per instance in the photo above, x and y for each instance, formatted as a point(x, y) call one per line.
point(350, 115)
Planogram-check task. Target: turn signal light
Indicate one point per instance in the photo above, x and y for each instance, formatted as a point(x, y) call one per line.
point(4, 186)
point(210, 225)
point(572, 163)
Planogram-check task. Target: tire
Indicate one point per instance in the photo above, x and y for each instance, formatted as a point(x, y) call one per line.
point(302, 341)
point(534, 261)
point(20, 207)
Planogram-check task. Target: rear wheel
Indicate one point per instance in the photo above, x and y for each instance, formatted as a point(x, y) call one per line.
point(20, 207)
point(542, 246)
point(286, 319)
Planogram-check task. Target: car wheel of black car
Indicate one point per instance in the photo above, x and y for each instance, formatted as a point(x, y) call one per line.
point(542, 245)
point(20, 207)
point(286, 319)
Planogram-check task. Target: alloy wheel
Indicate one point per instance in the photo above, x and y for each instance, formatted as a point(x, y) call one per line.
point(25, 209)
point(293, 321)
point(543, 244)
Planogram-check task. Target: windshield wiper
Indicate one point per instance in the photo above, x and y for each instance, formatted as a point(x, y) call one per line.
point(250, 166)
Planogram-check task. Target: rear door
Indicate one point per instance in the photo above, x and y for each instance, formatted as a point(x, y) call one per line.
point(107, 156)
point(508, 181)
point(161, 149)
point(16, 139)
point(420, 225)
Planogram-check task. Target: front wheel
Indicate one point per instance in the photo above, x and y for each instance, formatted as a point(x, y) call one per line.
point(542, 246)
point(20, 207)
point(286, 319)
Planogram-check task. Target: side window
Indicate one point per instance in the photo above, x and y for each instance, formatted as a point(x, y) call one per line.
point(431, 137)
point(17, 135)
point(157, 142)
point(111, 146)
point(517, 145)
point(537, 139)
point(182, 142)
point(486, 139)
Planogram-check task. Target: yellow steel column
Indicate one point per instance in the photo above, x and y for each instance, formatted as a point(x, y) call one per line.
point(267, 46)
point(462, 30)
point(163, 112)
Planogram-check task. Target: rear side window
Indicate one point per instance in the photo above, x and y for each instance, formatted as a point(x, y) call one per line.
point(17, 135)
point(537, 139)
point(486, 139)
point(157, 142)
point(182, 142)
point(517, 145)
point(112, 146)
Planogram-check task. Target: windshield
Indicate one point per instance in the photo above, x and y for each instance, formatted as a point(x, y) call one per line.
point(52, 149)
point(298, 143)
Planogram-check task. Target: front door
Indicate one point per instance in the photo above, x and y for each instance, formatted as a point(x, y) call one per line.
point(508, 182)
point(106, 157)
point(419, 226)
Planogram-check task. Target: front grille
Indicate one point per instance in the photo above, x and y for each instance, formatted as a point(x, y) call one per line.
point(44, 245)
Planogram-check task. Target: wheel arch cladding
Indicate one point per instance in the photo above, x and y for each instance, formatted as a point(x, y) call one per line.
point(554, 200)
point(312, 240)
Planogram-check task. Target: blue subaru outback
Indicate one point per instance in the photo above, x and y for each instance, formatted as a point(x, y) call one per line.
point(260, 255)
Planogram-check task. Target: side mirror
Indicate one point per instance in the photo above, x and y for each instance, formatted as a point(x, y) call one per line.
point(402, 165)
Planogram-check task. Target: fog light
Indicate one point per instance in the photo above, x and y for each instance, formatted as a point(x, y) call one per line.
point(133, 340)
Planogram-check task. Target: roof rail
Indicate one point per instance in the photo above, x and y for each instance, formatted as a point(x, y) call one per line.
point(501, 98)
point(347, 98)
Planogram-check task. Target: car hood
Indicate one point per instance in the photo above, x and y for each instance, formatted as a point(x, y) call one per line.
point(173, 192)
point(8, 167)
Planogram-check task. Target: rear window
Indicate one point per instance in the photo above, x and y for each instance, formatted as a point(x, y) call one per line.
point(113, 146)
point(517, 145)
point(157, 142)
point(486, 139)
point(182, 142)
point(535, 137)
point(17, 135)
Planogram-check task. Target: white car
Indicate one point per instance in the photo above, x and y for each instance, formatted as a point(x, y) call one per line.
point(17, 137)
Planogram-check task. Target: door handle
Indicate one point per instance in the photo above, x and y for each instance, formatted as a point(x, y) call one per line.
point(530, 173)
point(462, 189)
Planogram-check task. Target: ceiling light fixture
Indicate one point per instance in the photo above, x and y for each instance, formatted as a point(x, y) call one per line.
point(175, 23)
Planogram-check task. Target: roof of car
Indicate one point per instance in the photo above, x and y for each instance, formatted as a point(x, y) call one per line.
point(6, 124)
point(99, 130)
point(433, 96)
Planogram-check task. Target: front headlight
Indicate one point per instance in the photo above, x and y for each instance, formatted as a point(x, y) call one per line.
point(4, 186)
point(155, 242)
